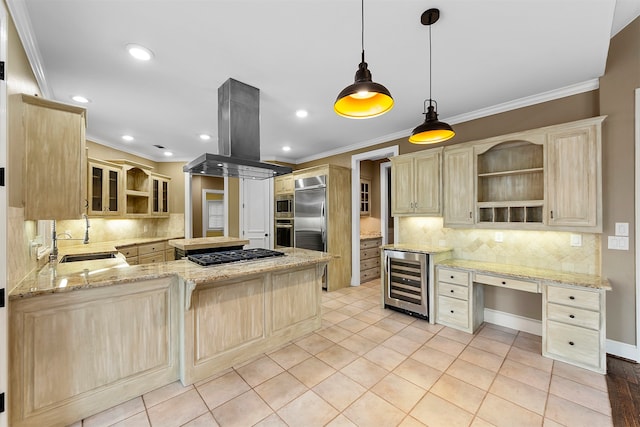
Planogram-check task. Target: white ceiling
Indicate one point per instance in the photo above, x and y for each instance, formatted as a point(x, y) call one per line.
point(300, 54)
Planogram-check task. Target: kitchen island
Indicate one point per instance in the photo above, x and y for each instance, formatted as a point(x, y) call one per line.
point(84, 341)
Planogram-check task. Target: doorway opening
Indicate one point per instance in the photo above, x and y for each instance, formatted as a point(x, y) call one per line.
point(378, 157)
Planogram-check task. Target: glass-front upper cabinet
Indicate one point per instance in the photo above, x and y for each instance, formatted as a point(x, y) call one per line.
point(160, 195)
point(104, 188)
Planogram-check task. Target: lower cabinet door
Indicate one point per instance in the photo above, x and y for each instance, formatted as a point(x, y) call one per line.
point(573, 343)
point(454, 312)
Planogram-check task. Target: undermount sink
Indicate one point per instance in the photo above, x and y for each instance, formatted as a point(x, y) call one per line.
point(86, 257)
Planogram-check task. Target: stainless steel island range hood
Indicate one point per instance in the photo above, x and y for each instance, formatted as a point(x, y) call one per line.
point(238, 137)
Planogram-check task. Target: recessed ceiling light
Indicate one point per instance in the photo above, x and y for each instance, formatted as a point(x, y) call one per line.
point(81, 99)
point(139, 52)
point(168, 153)
point(286, 148)
point(302, 113)
point(205, 137)
point(127, 138)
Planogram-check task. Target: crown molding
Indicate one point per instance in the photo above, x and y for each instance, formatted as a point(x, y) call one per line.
point(551, 95)
point(20, 16)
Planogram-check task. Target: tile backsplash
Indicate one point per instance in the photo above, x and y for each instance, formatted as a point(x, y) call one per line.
point(541, 249)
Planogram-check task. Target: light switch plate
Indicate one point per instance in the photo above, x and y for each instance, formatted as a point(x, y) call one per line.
point(622, 229)
point(576, 240)
point(619, 243)
point(499, 237)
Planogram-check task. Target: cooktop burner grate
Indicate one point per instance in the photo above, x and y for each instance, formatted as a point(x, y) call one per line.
point(223, 257)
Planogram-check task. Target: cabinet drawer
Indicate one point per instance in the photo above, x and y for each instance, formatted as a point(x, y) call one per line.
point(370, 253)
point(150, 248)
point(132, 260)
point(169, 254)
point(128, 251)
point(454, 291)
point(453, 311)
point(453, 276)
point(370, 274)
point(573, 343)
point(508, 282)
point(151, 258)
point(370, 243)
point(369, 263)
point(574, 316)
point(574, 297)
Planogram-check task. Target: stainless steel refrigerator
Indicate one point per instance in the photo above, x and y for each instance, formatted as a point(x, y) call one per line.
point(310, 215)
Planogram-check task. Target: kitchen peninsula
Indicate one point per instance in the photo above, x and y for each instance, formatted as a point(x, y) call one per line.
point(86, 340)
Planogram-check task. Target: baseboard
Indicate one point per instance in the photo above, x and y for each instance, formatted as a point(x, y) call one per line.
point(625, 350)
point(513, 321)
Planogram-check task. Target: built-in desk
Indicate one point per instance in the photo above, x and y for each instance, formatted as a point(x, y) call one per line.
point(573, 305)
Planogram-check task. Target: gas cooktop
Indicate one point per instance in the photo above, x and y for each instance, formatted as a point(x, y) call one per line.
point(223, 257)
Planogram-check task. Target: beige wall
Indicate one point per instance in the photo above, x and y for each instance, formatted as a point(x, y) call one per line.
point(199, 184)
point(617, 88)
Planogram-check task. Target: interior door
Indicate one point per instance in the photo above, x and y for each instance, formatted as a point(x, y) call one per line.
point(256, 212)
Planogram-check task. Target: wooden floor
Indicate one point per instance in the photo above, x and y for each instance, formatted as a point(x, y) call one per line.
point(623, 382)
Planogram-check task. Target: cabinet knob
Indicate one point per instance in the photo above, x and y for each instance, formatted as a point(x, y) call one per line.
point(452, 277)
point(572, 297)
point(451, 291)
point(503, 282)
point(451, 311)
point(572, 316)
point(571, 343)
point(551, 214)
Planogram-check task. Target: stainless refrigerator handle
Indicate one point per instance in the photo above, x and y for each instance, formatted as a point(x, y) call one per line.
point(323, 229)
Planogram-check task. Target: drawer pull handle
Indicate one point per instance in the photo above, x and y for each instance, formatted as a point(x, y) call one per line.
point(451, 311)
point(572, 297)
point(452, 277)
point(570, 342)
point(572, 316)
point(451, 291)
point(503, 282)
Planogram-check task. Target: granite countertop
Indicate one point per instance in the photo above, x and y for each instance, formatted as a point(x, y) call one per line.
point(109, 246)
point(100, 273)
point(207, 242)
point(516, 271)
point(407, 247)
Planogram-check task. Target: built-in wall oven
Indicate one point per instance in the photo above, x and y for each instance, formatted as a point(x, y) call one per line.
point(406, 280)
point(284, 206)
point(284, 233)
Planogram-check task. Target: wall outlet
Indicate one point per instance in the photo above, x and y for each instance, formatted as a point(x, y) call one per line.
point(499, 236)
point(622, 229)
point(576, 240)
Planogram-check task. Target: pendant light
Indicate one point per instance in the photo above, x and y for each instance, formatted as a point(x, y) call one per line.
point(432, 130)
point(364, 98)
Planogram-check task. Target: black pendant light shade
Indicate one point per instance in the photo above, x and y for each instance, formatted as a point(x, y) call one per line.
point(364, 98)
point(432, 131)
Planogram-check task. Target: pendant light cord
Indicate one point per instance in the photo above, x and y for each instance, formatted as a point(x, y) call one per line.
point(430, 72)
point(362, 28)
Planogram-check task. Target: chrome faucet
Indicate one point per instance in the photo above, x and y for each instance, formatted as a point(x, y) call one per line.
point(53, 256)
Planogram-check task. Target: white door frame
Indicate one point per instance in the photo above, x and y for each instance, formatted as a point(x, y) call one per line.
point(381, 153)
point(637, 224)
point(4, 318)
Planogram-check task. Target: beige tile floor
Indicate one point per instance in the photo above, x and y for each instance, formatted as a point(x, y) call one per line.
point(369, 366)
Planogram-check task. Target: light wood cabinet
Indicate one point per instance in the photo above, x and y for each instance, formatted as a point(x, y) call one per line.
point(148, 253)
point(283, 184)
point(573, 326)
point(75, 354)
point(370, 258)
point(459, 304)
point(365, 197)
point(105, 188)
point(416, 181)
point(160, 195)
point(55, 162)
point(458, 186)
point(574, 177)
